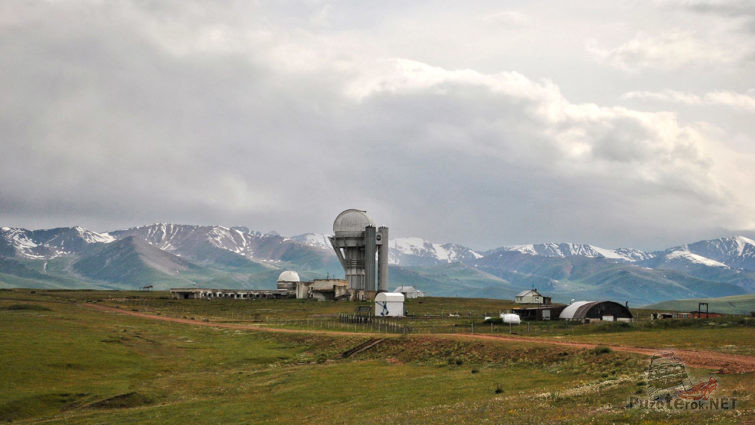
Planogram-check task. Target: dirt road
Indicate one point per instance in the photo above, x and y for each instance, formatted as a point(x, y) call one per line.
point(724, 363)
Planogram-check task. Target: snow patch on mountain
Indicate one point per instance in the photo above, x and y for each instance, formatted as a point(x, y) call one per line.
point(20, 241)
point(93, 237)
point(551, 249)
point(699, 259)
point(422, 249)
point(50, 243)
point(315, 240)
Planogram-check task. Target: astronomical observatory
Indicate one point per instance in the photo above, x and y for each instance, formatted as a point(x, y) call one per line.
point(356, 240)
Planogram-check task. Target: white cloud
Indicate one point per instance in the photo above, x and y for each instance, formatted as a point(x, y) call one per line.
point(547, 130)
point(277, 115)
point(670, 50)
point(745, 102)
point(507, 19)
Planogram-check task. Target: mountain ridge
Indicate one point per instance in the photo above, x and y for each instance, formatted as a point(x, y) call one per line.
point(239, 257)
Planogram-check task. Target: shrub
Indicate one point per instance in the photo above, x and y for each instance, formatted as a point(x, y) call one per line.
point(601, 350)
point(32, 307)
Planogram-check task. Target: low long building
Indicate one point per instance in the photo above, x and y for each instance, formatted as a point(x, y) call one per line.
point(323, 289)
point(548, 312)
point(236, 294)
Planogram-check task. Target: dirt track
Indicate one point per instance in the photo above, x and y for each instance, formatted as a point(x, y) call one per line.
point(724, 363)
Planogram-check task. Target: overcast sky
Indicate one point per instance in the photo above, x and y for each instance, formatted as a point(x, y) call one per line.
point(487, 123)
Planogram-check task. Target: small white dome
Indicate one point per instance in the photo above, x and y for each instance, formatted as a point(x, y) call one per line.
point(288, 276)
point(352, 220)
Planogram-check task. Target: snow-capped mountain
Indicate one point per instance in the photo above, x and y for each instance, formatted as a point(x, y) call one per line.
point(188, 240)
point(417, 251)
point(223, 244)
point(48, 243)
point(217, 256)
point(550, 249)
point(405, 251)
point(736, 251)
point(685, 256)
point(314, 240)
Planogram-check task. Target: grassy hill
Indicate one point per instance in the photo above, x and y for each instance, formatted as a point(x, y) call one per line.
point(103, 367)
point(737, 304)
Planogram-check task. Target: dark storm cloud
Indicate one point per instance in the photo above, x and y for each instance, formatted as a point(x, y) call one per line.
point(277, 117)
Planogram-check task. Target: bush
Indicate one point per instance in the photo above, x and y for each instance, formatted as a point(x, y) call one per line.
point(32, 307)
point(601, 350)
point(498, 389)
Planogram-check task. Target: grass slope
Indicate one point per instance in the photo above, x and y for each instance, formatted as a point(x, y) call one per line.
point(65, 363)
point(738, 304)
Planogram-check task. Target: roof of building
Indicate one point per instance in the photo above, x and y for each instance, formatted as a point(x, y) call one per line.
point(578, 310)
point(389, 296)
point(568, 312)
point(352, 220)
point(288, 276)
point(406, 289)
point(528, 292)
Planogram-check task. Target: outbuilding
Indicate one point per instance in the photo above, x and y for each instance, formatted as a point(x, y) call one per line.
point(389, 304)
point(596, 310)
point(543, 312)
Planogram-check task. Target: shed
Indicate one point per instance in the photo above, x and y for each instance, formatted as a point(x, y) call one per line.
point(544, 312)
point(600, 310)
point(389, 304)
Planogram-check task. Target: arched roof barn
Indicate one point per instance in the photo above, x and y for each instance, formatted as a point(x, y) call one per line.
point(582, 310)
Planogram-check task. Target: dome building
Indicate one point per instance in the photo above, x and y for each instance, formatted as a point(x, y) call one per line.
point(356, 240)
point(288, 280)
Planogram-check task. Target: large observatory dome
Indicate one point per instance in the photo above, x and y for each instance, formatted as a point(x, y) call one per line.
point(352, 220)
point(288, 276)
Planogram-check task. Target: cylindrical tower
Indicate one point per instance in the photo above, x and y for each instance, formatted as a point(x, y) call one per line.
point(383, 259)
point(356, 240)
point(370, 240)
point(348, 241)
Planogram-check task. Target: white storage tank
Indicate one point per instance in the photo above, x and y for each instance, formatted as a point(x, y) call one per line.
point(511, 318)
point(389, 304)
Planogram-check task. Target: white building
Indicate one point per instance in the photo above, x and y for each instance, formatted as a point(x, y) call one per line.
point(409, 292)
point(530, 296)
point(389, 304)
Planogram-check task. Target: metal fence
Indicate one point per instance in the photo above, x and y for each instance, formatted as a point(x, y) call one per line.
point(375, 323)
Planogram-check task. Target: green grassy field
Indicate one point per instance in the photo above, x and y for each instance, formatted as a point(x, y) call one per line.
point(741, 304)
point(64, 362)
